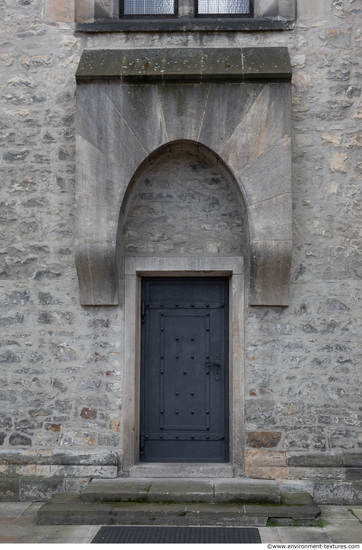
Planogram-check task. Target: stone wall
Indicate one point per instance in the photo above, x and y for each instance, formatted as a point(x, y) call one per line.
point(61, 364)
point(185, 205)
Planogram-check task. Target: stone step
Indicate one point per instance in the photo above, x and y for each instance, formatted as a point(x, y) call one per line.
point(69, 509)
point(176, 502)
point(182, 490)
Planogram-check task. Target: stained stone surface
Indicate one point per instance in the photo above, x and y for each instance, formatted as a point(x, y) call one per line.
point(302, 362)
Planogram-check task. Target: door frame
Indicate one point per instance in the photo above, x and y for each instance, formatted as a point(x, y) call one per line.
point(135, 269)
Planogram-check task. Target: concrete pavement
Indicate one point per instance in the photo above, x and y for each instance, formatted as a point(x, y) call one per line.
point(339, 524)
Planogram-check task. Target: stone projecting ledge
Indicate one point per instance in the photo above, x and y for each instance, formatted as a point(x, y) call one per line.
point(191, 64)
point(241, 93)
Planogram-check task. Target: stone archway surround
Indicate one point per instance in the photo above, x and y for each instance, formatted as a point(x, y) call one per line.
point(235, 102)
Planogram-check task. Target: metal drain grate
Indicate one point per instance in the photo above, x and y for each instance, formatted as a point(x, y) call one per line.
point(195, 535)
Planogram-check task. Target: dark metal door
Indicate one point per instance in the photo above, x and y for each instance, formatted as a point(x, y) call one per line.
point(184, 377)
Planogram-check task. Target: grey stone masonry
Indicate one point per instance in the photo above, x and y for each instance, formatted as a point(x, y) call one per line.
point(266, 171)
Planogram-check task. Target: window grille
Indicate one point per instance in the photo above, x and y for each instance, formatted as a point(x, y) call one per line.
point(223, 7)
point(202, 8)
point(148, 7)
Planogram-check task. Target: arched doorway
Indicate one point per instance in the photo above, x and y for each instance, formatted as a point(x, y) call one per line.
point(184, 241)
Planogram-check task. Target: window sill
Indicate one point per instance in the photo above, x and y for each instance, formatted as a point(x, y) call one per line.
point(186, 25)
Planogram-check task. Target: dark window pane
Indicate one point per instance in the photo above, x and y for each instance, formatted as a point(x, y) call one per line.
point(149, 7)
point(210, 7)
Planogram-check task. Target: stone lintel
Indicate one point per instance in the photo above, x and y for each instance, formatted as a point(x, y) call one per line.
point(186, 65)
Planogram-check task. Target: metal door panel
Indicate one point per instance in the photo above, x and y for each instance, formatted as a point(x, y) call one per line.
point(184, 382)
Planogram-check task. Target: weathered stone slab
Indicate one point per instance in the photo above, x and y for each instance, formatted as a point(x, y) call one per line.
point(82, 471)
point(163, 490)
point(131, 513)
point(108, 133)
point(270, 263)
point(9, 489)
point(265, 124)
point(183, 108)
point(121, 489)
point(138, 104)
point(184, 64)
point(338, 492)
point(269, 175)
point(40, 489)
point(246, 491)
point(312, 460)
point(228, 108)
point(48, 456)
point(275, 214)
point(354, 474)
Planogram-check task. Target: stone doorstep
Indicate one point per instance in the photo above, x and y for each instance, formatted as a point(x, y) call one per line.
point(182, 490)
point(69, 509)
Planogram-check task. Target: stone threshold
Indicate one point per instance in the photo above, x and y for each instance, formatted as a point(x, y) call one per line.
point(181, 470)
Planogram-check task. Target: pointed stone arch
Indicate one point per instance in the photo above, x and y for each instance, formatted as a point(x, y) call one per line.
point(235, 103)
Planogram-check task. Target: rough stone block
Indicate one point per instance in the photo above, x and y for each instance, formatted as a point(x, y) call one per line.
point(310, 9)
point(59, 11)
point(259, 440)
point(338, 492)
point(39, 489)
point(354, 474)
point(9, 489)
point(265, 464)
point(83, 471)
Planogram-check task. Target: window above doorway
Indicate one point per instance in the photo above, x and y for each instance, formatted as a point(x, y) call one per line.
point(198, 8)
point(184, 15)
